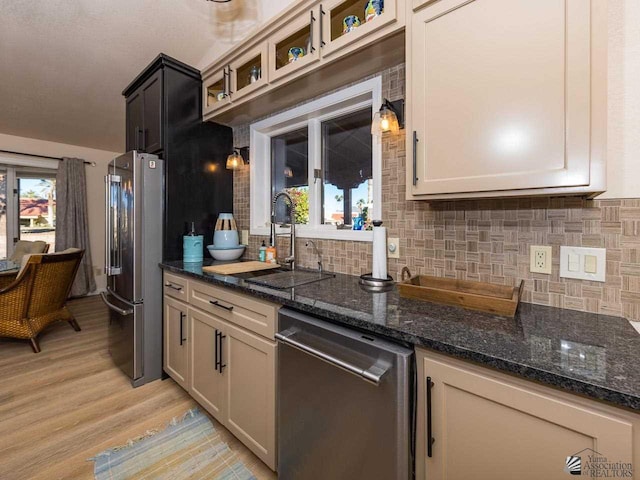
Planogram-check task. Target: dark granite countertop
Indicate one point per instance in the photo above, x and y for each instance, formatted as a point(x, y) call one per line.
point(584, 353)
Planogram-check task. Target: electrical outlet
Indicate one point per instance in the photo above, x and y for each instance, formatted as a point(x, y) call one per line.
point(393, 248)
point(540, 261)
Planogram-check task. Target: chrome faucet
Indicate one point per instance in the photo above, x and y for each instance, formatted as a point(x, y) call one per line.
point(291, 259)
point(317, 252)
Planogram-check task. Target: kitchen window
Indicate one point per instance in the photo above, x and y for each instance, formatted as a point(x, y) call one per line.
point(323, 154)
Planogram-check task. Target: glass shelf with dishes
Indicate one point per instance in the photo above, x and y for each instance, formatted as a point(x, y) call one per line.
point(346, 22)
point(217, 90)
point(295, 46)
point(249, 72)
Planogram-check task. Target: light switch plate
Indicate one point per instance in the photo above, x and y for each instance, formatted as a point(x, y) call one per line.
point(583, 263)
point(245, 237)
point(540, 261)
point(393, 248)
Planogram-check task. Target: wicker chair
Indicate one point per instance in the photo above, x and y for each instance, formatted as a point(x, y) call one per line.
point(37, 296)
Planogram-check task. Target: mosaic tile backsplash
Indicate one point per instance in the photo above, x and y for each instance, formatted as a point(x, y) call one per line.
point(486, 240)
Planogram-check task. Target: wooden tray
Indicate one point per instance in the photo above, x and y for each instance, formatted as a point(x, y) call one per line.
point(239, 267)
point(485, 297)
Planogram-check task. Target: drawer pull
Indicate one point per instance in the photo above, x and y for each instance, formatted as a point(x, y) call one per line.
point(171, 285)
point(218, 304)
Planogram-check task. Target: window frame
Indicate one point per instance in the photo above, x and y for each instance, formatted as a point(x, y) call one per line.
point(17, 166)
point(312, 114)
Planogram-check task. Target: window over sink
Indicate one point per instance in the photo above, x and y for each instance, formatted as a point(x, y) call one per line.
point(323, 154)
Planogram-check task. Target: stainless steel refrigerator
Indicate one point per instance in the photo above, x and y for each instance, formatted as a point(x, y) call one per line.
point(134, 206)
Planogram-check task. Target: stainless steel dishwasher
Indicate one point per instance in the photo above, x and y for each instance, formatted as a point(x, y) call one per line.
point(344, 403)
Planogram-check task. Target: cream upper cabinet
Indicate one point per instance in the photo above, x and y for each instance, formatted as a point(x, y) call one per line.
point(487, 425)
point(176, 341)
point(304, 53)
point(216, 90)
point(295, 46)
point(505, 97)
point(249, 71)
point(333, 14)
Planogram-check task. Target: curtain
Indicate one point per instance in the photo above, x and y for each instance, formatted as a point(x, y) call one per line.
point(72, 220)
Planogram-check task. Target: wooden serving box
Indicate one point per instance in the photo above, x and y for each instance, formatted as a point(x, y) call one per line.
point(485, 297)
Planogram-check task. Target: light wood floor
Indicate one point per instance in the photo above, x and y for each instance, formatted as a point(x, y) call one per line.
point(62, 406)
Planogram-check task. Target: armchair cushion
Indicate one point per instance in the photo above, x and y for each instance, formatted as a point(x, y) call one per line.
point(23, 247)
point(25, 258)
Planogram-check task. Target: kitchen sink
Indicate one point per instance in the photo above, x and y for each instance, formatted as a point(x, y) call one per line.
point(284, 279)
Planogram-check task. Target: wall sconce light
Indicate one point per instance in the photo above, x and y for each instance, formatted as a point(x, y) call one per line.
point(390, 118)
point(238, 158)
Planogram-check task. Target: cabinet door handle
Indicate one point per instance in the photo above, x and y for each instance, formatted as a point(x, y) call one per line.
point(225, 81)
point(220, 338)
point(430, 440)
point(322, 14)
point(144, 139)
point(182, 339)
point(170, 285)
point(136, 143)
point(218, 304)
point(229, 91)
point(216, 354)
point(311, 24)
point(415, 158)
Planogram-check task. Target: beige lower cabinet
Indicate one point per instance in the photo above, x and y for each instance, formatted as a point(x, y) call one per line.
point(490, 426)
point(176, 341)
point(251, 391)
point(227, 360)
point(208, 383)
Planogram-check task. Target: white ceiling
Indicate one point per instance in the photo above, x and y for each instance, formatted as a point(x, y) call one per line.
point(64, 63)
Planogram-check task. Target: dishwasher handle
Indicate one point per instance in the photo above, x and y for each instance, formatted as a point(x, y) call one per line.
point(365, 374)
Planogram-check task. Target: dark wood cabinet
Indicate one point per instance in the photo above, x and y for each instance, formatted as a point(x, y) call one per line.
point(164, 117)
point(144, 116)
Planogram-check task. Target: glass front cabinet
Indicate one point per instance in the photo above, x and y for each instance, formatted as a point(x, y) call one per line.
point(248, 72)
point(347, 23)
point(297, 43)
point(295, 46)
point(217, 90)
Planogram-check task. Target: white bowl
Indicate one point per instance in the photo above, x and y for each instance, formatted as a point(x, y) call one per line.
point(226, 253)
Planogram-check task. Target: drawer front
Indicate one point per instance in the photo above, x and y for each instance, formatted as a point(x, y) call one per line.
point(243, 310)
point(175, 286)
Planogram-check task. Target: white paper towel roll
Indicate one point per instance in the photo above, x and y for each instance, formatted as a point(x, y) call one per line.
point(379, 251)
point(380, 308)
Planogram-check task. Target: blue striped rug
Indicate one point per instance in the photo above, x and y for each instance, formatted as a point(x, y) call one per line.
point(189, 448)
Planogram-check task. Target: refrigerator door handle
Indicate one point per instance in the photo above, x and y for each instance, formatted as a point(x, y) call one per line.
point(112, 233)
point(115, 308)
point(107, 229)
